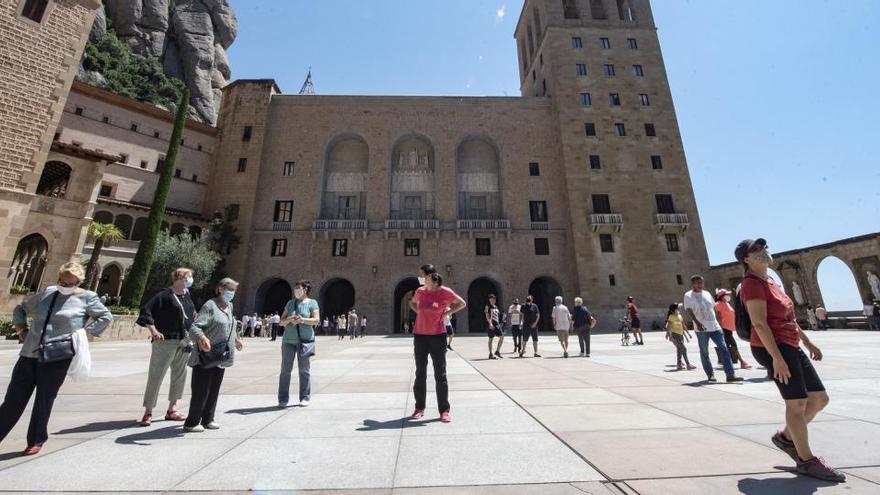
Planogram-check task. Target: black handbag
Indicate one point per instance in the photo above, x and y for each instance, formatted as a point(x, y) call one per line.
point(218, 353)
point(57, 348)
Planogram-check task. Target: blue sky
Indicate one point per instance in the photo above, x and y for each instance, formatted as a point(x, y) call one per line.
point(777, 101)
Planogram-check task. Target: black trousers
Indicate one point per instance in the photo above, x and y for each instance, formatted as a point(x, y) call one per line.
point(730, 340)
point(30, 374)
point(584, 339)
point(205, 390)
point(274, 331)
point(435, 346)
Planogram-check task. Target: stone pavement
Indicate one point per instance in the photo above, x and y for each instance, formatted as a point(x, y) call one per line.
point(622, 421)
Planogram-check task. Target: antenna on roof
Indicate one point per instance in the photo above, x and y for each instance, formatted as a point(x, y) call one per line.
point(308, 88)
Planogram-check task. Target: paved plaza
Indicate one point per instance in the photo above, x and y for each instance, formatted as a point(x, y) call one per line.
point(622, 421)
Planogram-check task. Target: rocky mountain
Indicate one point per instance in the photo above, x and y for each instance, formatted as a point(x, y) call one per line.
point(188, 38)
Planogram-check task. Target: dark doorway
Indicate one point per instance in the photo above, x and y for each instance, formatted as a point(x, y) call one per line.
point(336, 297)
point(402, 295)
point(544, 290)
point(477, 299)
point(272, 296)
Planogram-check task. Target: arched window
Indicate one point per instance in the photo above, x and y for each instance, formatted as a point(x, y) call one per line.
point(570, 9)
point(54, 180)
point(140, 229)
point(29, 261)
point(479, 186)
point(412, 179)
point(124, 223)
point(345, 179)
point(103, 217)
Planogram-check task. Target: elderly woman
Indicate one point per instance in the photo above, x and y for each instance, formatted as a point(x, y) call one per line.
point(215, 333)
point(57, 312)
point(168, 315)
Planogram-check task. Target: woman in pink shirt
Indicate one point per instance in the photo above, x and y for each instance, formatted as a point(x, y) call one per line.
point(727, 319)
point(431, 303)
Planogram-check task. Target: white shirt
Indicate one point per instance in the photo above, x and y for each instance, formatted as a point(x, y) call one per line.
point(703, 307)
point(561, 317)
point(274, 319)
point(515, 314)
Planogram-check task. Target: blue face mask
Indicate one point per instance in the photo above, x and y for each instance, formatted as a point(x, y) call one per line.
point(189, 282)
point(228, 295)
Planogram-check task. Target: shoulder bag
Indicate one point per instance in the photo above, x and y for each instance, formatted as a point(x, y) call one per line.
point(57, 348)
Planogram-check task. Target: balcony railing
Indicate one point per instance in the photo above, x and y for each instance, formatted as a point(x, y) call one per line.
point(470, 226)
point(665, 221)
point(609, 221)
point(340, 224)
point(412, 224)
point(282, 226)
point(540, 225)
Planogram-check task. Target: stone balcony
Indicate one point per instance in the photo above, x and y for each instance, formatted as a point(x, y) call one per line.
point(352, 226)
point(539, 225)
point(606, 222)
point(400, 225)
point(671, 221)
point(472, 226)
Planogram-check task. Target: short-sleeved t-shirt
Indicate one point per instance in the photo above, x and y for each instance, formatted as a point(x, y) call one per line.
point(515, 314)
point(530, 313)
point(701, 304)
point(633, 310)
point(432, 305)
point(562, 317)
point(780, 310)
point(304, 309)
point(581, 316)
point(728, 317)
point(676, 323)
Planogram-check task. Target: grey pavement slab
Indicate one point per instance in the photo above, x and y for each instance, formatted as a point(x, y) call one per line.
point(597, 417)
point(741, 411)
point(567, 397)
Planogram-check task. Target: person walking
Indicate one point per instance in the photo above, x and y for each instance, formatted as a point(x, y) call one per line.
point(352, 324)
point(822, 318)
point(450, 330)
point(274, 320)
point(677, 334)
point(583, 322)
point(57, 312)
point(492, 313)
point(562, 323)
point(514, 316)
point(245, 324)
point(634, 322)
point(531, 317)
point(431, 302)
point(301, 315)
point(168, 315)
point(811, 318)
point(727, 318)
point(215, 333)
point(325, 326)
point(700, 307)
point(775, 341)
point(363, 325)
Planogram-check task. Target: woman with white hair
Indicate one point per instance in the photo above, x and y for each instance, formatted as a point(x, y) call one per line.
point(583, 320)
point(57, 312)
point(562, 323)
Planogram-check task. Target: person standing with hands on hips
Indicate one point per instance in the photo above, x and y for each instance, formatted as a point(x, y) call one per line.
point(301, 316)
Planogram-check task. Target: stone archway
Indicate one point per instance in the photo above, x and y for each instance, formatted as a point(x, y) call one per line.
point(29, 261)
point(272, 296)
point(477, 299)
point(832, 271)
point(110, 281)
point(402, 295)
point(544, 290)
point(337, 297)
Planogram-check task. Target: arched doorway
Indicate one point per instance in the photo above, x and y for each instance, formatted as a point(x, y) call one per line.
point(544, 290)
point(54, 180)
point(29, 261)
point(477, 299)
point(110, 280)
point(402, 296)
point(272, 296)
point(837, 285)
point(337, 297)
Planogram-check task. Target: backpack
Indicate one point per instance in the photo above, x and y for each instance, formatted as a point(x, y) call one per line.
point(743, 321)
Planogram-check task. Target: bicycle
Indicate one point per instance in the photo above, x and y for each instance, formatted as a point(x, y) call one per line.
point(624, 329)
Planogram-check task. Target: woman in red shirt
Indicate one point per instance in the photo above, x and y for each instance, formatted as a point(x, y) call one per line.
point(775, 344)
point(432, 303)
point(727, 319)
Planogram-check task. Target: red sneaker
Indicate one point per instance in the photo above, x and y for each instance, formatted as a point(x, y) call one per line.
point(444, 417)
point(417, 414)
point(32, 450)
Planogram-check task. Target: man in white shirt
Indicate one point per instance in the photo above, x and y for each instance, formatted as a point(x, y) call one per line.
point(562, 323)
point(274, 321)
point(514, 315)
point(700, 306)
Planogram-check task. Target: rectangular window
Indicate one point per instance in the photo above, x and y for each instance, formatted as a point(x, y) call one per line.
point(581, 69)
point(649, 130)
point(105, 119)
point(534, 169)
point(609, 70)
point(605, 43)
point(586, 100)
point(411, 247)
point(283, 211)
point(643, 97)
point(601, 204)
point(590, 129)
point(544, 87)
point(123, 158)
point(542, 247)
point(638, 71)
point(633, 44)
point(484, 246)
point(671, 242)
point(477, 207)
point(78, 111)
point(34, 9)
point(541, 60)
point(134, 126)
point(679, 279)
point(143, 164)
point(664, 203)
point(279, 247)
point(606, 243)
point(242, 164)
point(656, 162)
point(287, 170)
point(614, 99)
point(340, 247)
point(232, 212)
point(199, 147)
point(538, 211)
point(595, 162)
point(576, 42)
point(619, 130)
point(412, 207)
point(195, 178)
point(612, 281)
point(106, 190)
point(347, 207)
point(182, 141)
point(156, 134)
point(160, 164)
point(570, 9)
point(246, 135)
point(177, 172)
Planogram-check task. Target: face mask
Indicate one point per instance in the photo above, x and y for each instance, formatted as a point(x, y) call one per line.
point(66, 291)
point(763, 257)
point(189, 282)
point(228, 295)
point(421, 280)
point(727, 298)
point(298, 293)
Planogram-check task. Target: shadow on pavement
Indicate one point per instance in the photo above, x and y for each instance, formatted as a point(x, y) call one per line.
point(781, 486)
point(254, 410)
point(143, 438)
point(99, 426)
point(394, 424)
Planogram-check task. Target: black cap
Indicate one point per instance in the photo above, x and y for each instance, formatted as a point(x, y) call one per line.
point(747, 246)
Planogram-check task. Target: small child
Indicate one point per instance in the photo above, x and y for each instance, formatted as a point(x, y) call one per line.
point(677, 333)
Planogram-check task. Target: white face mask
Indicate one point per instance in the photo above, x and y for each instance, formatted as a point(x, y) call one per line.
point(66, 291)
point(189, 282)
point(298, 293)
point(421, 280)
point(763, 257)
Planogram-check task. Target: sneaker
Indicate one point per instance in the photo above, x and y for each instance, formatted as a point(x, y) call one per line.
point(417, 414)
point(565, 354)
point(818, 468)
point(712, 379)
point(734, 378)
point(679, 367)
point(444, 417)
point(498, 354)
point(492, 356)
point(581, 355)
point(586, 355)
point(213, 425)
point(304, 403)
point(193, 429)
point(282, 405)
point(785, 445)
point(691, 367)
point(521, 353)
point(537, 355)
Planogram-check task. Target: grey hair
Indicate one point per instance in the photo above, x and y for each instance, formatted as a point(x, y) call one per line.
point(558, 299)
point(578, 301)
point(226, 281)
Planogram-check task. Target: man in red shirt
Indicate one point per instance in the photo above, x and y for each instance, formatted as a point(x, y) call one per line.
point(635, 322)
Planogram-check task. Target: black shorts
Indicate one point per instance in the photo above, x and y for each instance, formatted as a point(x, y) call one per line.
point(527, 330)
point(496, 332)
point(803, 375)
point(636, 324)
point(450, 330)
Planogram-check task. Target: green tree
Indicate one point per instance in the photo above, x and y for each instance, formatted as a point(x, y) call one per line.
point(177, 251)
point(103, 234)
point(222, 234)
point(133, 290)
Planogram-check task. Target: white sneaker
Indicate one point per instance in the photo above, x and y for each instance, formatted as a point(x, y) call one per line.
point(282, 405)
point(213, 425)
point(304, 403)
point(581, 354)
point(193, 429)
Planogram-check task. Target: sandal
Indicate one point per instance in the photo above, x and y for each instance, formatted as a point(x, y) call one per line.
point(147, 420)
point(174, 416)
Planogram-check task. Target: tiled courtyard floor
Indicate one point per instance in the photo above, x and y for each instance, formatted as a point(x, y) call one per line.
point(621, 421)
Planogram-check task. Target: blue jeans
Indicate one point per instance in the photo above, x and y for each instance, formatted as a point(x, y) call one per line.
point(718, 338)
point(288, 353)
